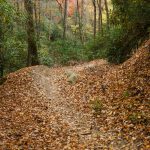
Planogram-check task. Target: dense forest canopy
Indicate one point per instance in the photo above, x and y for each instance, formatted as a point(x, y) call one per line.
point(56, 32)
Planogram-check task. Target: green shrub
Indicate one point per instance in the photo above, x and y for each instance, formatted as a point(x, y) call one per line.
point(97, 106)
point(45, 58)
point(108, 46)
point(97, 48)
point(114, 50)
point(64, 51)
point(55, 32)
point(15, 48)
point(133, 17)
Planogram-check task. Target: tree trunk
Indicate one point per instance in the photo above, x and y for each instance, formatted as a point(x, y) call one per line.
point(83, 18)
point(1, 51)
point(80, 21)
point(100, 22)
point(65, 19)
point(94, 5)
point(38, 21)
point(32, 47)
point(35, 14)
point(107, 14)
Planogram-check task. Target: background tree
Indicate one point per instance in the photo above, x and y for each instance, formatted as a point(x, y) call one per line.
point(121, 27)
point(95, 13)
point(32, 47)
point(65, 18)
point(100, 21)
point(1, 50)
point(107, 14)
point(79, 14)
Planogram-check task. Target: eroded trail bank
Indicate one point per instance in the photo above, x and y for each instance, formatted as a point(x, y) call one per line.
point(90, 106)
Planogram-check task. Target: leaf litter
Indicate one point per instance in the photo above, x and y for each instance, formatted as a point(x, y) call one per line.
point(54, 108)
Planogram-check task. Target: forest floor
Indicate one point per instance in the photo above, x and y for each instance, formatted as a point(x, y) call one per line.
point(92, 106)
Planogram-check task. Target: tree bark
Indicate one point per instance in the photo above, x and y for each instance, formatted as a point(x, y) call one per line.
point(32, 58)
point(35, 14)
point(80, 21)
point(100, 22)
point(1, 51)
point(65, 19)
point(94, 5)
point(107, 14)
point(38, 21)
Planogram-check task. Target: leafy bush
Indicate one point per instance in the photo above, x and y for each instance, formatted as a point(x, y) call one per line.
point(45, 58)
point(15, 54)
point(108, 46)
point(12, 38)
point(115, 48)
point(56, 32)
point(129, 27)
point(97, 48)
point(63, 51)
point(133, 17)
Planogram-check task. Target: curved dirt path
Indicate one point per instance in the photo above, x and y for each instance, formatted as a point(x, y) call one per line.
point(81, 122)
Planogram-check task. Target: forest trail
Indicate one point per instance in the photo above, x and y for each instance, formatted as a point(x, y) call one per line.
point(80, 120)
point(48, 82)
point(55, 108)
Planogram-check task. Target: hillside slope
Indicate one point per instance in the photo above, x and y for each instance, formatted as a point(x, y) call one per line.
point(90, 106)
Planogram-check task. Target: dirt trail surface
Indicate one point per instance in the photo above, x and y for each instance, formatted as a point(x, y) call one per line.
point(93, 106)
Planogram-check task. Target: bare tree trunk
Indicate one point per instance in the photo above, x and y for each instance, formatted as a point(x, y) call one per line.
point(100, 22)
point(82, 10)
point(39, 19)
point(75, 19)
point(1, 51)
point(32, 47)
point(80, 23)
point(107, 14)
point(94, 5)
point(82, 18)
point(65, 19)
point(35, 13)
point(36, 19)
